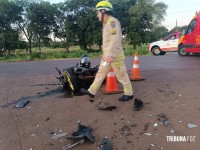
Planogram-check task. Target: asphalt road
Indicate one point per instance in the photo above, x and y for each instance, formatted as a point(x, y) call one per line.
point(147, 63)
point(171, 86)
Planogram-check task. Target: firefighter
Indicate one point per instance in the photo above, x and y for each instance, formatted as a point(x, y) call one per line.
point(113, 54)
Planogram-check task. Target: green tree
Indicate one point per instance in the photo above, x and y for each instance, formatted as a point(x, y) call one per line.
point(145, 16)
point(9, 14)
point(120, 11)
point(85, 24)
point(9, 41)
point(42, 21)
point(158, 33)
point(159, 11)
point(64, 27)
point(24, 24)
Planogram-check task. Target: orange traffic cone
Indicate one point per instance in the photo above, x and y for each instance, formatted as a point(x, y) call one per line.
point(135, 75)
point(111, 84)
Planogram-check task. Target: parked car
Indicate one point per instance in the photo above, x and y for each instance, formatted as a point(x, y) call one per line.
point(167, 44)
point(190, 40)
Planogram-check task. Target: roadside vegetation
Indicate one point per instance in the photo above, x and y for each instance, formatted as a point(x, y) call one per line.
point(39, 30)
point(61, 53)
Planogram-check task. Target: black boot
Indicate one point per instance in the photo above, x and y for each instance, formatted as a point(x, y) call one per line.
point(126, 98)
point(86, 92)
point(138, 104)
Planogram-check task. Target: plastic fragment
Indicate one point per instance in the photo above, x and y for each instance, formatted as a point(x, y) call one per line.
point(58, 135)
point(190, 125)
point(22, 103)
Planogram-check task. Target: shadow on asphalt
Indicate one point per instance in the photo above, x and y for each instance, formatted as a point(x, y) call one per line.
point(38, 96)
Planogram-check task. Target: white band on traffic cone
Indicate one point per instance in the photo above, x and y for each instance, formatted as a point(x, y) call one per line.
point(136, 58)
point(135, 65)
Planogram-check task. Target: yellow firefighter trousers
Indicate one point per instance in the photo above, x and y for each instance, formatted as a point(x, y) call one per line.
point(121, 74)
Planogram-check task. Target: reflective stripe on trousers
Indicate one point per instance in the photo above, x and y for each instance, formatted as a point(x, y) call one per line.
point(121, 74)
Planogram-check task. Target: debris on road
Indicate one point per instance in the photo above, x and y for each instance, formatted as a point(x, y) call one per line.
point(138, 104)
point(22, 103)
point(146, 128)
point(69, 146)
point(155, 125)
point(151, 146)
point(32, 134)
point(172, 131)
point(59, 135)
point(162, 117)
point(84, 133)
point(190, 125)
point(105, 144)
point(105, 106)
point(148, 134)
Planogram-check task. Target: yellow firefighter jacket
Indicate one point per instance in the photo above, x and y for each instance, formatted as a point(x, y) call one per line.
point(112, 38)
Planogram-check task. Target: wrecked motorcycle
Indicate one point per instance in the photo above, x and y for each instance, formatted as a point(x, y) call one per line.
point(74, 78)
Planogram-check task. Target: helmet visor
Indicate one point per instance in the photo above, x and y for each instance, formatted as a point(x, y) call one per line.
point(85, 60)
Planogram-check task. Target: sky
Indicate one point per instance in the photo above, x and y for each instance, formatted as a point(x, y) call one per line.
point(180, 11)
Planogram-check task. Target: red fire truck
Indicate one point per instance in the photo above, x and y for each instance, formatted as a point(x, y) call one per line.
point(189, 42)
